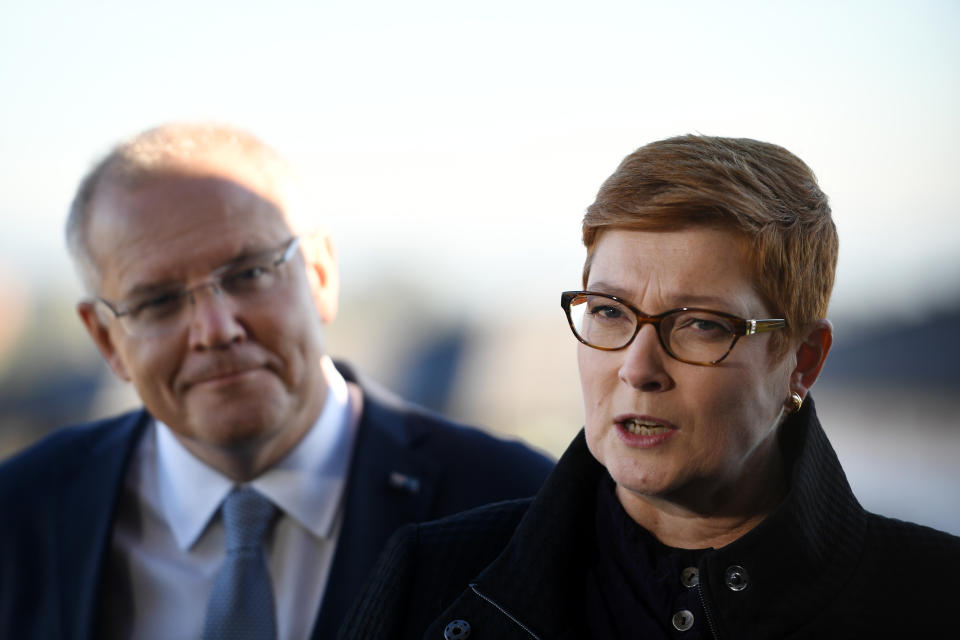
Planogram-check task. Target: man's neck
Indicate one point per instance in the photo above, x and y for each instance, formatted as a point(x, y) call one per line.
point(245, 461)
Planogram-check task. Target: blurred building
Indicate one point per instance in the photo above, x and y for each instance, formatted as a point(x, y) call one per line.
point(887, 396)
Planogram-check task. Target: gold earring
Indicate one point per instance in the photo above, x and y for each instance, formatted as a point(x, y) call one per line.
point(796, 402)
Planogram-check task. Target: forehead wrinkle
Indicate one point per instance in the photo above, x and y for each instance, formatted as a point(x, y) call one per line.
point(148, 218)
point(712, 302)
point(654, 286)
point(190, 269)
point(247, 251)
point(632, 282)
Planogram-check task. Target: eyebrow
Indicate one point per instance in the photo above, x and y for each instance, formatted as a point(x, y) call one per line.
point(688, 300)
point(149, 289)
point(162, 286)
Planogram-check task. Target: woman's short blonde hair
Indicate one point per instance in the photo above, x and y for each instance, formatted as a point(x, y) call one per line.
point(758, 190)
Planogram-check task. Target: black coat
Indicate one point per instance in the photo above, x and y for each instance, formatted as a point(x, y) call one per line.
point(818, 567)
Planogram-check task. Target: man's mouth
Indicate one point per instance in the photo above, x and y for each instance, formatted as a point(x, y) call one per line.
point(216, 375)
point(224, 375)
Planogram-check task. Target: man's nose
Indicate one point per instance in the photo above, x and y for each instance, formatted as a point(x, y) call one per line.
point(213, 318)
point(642, 367)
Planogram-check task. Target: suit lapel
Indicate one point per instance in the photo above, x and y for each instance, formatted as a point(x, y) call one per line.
point(85, 520)
point(389, 485)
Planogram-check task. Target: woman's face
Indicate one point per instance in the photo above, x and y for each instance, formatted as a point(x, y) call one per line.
point(700, 437)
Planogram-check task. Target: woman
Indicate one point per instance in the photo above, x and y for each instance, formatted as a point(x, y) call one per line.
point(702, 499)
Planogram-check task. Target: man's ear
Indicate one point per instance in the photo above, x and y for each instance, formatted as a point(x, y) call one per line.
point(811, 354)
point(322, 273)
point(101, 337)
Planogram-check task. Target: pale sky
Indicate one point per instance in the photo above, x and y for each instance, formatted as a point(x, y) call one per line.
point(453, 147)
point(456, 145)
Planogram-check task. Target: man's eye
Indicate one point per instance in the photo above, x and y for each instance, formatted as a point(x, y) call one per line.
point(248, 279)
point(158, 306)
point(254, 272)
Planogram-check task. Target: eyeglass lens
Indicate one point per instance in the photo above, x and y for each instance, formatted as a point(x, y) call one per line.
point(695, 335)
point(246, 282)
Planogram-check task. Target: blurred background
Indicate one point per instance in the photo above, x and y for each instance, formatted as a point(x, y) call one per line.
point(452, 148)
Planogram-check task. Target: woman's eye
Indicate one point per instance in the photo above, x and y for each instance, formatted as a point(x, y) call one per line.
point(706, 326)
point(606, 311)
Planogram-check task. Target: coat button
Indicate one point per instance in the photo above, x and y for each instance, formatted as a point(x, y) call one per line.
point(690, 577)
point(736, 578)
point(457, 630)
point(682, 620)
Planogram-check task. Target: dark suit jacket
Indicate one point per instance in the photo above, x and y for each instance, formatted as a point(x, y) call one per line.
point(57, 503)
point(818, 567)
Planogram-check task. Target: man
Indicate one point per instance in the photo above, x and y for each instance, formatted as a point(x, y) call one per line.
point(256, 487)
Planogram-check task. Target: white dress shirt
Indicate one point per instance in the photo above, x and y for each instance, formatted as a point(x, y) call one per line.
point(168, 538)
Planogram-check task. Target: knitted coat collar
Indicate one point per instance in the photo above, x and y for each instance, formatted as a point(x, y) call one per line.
point(793, 562)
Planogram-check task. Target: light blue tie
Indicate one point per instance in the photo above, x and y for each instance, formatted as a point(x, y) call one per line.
point(241, 603)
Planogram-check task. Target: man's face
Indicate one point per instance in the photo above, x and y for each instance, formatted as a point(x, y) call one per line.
point(232, 375)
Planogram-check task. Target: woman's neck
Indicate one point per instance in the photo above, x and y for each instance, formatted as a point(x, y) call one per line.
point(702, 517)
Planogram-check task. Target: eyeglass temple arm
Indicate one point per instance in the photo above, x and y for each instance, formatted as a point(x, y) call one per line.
point(759, 326)
point(294, 243)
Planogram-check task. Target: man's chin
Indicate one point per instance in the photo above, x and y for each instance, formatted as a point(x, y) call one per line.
point(238, 424)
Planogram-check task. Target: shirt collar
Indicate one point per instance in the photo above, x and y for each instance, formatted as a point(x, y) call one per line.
point(307, 484)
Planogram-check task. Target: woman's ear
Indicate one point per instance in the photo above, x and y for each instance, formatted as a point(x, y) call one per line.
point(811, 354)
point(322, 273)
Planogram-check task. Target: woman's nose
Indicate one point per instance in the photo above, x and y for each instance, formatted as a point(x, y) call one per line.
point(642, 367)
